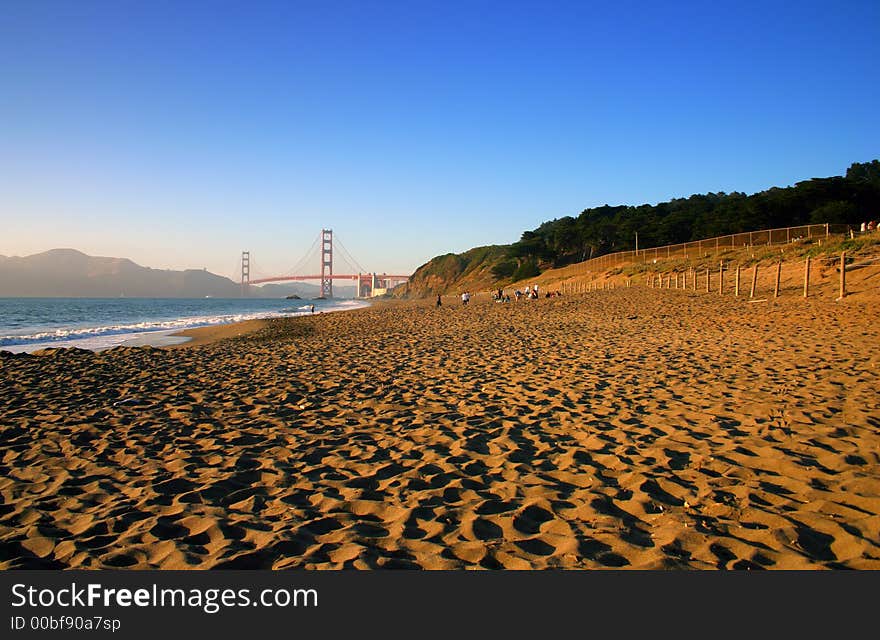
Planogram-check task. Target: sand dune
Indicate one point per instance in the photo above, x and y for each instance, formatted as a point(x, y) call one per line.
point(625, 428)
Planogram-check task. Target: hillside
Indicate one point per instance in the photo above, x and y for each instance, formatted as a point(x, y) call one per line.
point(850, 200)
point(71, 273)
point(452, 273)
point(862, 266)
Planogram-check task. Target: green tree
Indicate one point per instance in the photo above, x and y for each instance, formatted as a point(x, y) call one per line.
point(837, 212)
point(528, 269)
point(505, 269)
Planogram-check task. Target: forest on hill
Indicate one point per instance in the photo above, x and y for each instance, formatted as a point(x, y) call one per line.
point(849, 199)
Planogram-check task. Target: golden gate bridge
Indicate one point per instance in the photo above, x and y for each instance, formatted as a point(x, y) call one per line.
point(367, 284)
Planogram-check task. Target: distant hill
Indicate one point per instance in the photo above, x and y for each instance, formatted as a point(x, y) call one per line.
point(849, 199)
point(71, 273)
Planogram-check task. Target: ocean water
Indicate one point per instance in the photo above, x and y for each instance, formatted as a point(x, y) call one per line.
point(29, 324)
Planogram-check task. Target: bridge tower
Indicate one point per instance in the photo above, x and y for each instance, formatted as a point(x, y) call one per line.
point(326, 263)
point(245, 272)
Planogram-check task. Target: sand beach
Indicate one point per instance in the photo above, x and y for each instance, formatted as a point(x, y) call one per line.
point(627, 428)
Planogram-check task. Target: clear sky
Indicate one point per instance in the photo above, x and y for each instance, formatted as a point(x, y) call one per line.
point(179, 133)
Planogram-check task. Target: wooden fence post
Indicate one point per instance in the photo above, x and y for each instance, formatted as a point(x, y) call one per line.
point(707, 279)
point(778, 273)
point(736, 283)
point(754, 280)
point(721, 277)
point(842, 275)
point(807, 277)
point(694, 281)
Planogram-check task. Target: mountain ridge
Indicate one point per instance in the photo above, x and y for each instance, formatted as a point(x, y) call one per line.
point(66, 272)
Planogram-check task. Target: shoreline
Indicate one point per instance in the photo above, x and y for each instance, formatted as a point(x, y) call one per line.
point(199, 336)
point(202, 333)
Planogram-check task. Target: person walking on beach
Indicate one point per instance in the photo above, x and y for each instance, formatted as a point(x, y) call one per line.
point(439, 303)
point(313, 309)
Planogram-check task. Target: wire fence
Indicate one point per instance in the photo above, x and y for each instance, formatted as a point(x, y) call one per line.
point(756, 282)
point(705, 248)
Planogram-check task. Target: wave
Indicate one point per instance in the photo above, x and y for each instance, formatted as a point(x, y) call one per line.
point(103, 335)
point(73, 333)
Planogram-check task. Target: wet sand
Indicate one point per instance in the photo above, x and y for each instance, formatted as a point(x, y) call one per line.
point(626, 428)
point(205, 335)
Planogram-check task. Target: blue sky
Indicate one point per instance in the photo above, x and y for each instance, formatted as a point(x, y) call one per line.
point(179, 133)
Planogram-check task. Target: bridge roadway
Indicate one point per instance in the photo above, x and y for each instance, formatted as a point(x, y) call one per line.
point(334, 276)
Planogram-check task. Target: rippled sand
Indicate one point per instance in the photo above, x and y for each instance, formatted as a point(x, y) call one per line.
point(627, 428)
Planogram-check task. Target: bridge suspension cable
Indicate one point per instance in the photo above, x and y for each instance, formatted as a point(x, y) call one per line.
point(255, 269)
point(348, 257)
point(304, 260)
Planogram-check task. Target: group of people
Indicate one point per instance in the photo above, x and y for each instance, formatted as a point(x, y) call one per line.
point(532, 294)
point(868, 226)
point(500, 296)
point(527, 293)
